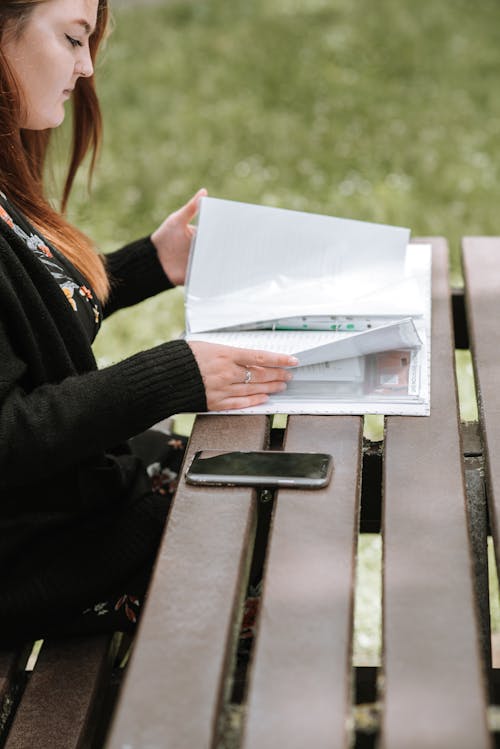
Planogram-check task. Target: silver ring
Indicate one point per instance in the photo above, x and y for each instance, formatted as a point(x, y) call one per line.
point(248, 377)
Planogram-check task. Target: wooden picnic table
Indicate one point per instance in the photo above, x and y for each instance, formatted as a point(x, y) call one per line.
point(424, 488)
point(431, 687)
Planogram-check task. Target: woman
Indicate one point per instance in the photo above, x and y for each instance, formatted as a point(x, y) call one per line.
point(80, 521)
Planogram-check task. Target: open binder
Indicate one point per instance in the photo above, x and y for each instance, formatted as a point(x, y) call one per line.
point(350, 299)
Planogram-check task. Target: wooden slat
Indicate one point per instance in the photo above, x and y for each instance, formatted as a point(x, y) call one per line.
point(434, 691)
point(59, 702)
point(300, 685)
point(481, 261)
point(175, 679)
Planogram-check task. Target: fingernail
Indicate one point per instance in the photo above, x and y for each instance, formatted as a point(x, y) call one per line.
point(288, 376)
point(293, 361)
point(282, 386)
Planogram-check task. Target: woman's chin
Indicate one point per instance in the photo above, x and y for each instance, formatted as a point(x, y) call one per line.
point(47, 122)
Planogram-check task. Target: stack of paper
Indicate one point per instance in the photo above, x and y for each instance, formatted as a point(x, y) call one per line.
point(350, 299)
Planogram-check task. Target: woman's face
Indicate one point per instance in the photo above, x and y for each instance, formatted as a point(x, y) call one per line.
point(49, 56)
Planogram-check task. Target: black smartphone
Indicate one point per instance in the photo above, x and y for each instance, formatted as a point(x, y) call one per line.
point(267, 468)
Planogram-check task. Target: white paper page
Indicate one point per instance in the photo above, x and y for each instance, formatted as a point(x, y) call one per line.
point(279, 341)
point(315, 347)
point(251, 262)
point(385, 338)
point(350, 370)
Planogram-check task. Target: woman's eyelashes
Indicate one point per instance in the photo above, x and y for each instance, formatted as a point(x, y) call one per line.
point(74, 42)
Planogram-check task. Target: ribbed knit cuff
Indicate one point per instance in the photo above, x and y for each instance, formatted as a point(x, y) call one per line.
point(159, 382)
point(135, 273)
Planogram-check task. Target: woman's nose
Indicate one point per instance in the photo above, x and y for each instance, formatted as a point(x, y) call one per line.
point(84, 67)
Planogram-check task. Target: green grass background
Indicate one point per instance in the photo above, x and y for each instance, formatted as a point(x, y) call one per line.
point(384, 111)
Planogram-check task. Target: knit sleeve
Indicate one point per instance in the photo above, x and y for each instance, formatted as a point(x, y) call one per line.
point(57, 425)
point(135, 273)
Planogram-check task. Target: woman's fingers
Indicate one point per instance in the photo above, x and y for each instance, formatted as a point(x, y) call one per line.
point(240, 378)
point(172, 239)
point(188, 211)
point(266, 388)
point(238, 403)
point(257, 375)
point(249, 358)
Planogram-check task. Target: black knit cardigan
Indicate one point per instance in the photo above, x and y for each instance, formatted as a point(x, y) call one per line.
point(73, 499)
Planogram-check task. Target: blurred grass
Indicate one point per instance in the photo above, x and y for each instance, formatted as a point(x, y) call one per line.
point(386, 112)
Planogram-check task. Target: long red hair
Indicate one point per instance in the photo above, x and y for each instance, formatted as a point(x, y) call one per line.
point(23, 152)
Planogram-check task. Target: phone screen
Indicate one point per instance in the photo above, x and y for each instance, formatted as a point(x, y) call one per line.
point(260, 468)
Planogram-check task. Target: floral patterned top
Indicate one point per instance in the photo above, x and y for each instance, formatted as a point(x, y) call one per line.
point(74, 286)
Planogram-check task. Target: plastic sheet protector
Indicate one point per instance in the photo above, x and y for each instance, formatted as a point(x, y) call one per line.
point(350, 299)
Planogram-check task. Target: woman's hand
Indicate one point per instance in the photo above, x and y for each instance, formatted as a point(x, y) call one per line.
point(240, 378)
point(173, 239)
